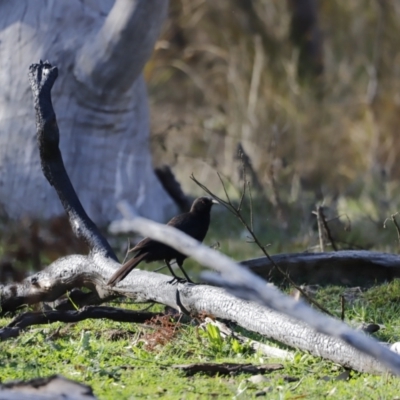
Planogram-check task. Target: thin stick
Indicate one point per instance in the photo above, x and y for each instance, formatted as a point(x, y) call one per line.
point(342, 307)
point(244, 183)
point(251, 208)
point(393, 216)
point(347, 228)
point(320, 229)
point(239, 215)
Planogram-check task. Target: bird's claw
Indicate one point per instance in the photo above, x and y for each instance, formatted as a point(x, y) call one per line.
point(175, 280)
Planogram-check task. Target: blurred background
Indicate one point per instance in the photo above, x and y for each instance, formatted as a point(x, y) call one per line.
point(307, 91)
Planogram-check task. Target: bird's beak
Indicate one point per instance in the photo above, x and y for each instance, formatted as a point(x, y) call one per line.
point(214, 201)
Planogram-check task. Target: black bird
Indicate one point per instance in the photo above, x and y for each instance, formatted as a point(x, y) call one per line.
point(194, 223)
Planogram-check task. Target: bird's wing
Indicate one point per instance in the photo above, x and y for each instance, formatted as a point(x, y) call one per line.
point(191, 225)
point(144, 244)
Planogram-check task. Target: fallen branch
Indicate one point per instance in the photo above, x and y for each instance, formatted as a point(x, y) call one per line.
point(22, 321)
point(345, 267)
point(53, 387)
point(212, 369)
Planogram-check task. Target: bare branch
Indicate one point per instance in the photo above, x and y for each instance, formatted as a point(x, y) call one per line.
point(22, 321)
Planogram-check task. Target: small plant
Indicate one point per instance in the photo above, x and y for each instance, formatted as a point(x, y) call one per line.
point(213, 334)
point(220, 346)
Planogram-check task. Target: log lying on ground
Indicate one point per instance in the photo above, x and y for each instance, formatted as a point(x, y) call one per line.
point(24, 320)
point(250, 312)
point(53, 387)
point(144, 286)
point(280, 323)
point(348, 267)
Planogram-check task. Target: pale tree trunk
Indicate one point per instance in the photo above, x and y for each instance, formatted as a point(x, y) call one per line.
point(100, 98)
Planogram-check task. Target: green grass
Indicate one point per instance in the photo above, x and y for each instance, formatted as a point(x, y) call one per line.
point(115, 360)
point(113, 357)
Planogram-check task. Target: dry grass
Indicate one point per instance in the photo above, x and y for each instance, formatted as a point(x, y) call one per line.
point(215, 82)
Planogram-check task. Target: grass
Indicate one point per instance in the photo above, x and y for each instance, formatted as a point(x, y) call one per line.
point(129, 361)
point(120, 360)
point(114, 359)
point(126, 361)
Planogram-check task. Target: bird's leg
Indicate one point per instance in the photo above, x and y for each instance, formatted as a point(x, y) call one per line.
point(183, 271)
point(176, 278)
point(171, 270)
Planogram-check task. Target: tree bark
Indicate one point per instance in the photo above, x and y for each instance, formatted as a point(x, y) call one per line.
point(113, 57)
point(102, 107)
point(348, 267)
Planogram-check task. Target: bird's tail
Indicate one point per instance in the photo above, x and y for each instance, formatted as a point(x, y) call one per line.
point(122, 272)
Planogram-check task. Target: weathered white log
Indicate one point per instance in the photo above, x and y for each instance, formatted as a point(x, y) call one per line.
point(55, 387)
point(244, 284)
point(143, 286)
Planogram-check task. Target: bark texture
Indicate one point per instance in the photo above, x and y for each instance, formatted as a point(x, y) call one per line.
point(101, 102)
point(347, 267)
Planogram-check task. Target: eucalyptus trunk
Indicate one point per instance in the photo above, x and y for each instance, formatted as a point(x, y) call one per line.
point(100, 99)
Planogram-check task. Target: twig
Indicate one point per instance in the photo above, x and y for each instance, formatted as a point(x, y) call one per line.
point(320, 229)
point(327, 230)
point(347, 228)
point(275, 197)
point(239, 215)
point(393, 218)
point(244, 181)
point(342, 307)
point(323, 221)
point(247, 165)
point(251, 209)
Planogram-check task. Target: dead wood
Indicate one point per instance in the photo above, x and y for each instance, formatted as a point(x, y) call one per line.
point(347, 267)
point(313, 331)
point(173, 187)
point(55, 387)
point(212, 369)
point(22, 321)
